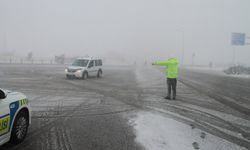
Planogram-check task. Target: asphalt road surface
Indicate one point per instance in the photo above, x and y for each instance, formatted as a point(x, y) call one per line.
point(95, 114)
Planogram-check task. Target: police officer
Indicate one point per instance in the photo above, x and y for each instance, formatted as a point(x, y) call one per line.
point(171, 74)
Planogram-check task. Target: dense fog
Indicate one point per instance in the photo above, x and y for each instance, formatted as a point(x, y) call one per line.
point(197, 32)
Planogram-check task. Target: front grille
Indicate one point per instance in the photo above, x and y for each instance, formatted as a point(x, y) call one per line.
point(72, 70)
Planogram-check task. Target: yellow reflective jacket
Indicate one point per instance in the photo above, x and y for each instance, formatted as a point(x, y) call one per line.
point(171, 67)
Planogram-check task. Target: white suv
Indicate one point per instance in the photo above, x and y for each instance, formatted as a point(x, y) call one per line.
point(84, 67)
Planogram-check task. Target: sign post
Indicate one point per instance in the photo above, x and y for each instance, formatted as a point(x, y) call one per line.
point(237, 39)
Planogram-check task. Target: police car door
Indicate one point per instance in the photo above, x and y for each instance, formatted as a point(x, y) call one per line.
point(4, 118)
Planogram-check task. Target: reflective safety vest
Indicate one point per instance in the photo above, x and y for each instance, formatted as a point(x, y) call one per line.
point(171, 67)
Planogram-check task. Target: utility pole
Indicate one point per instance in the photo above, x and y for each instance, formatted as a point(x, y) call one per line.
point(193, 56)
point(181, 30)
point(4, 41)
point(182, 52)
point(234, 57)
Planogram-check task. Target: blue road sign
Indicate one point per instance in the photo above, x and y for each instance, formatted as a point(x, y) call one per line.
point(238, 38)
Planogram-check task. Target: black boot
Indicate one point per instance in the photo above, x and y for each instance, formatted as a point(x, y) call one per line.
point(168, 97)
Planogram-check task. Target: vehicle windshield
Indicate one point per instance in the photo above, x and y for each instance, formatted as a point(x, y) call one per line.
point(80, 62)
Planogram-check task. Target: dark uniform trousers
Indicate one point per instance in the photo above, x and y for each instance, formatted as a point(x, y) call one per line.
point(171, 82)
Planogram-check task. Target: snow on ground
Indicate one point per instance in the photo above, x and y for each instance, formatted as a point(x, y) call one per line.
point(239, 75)
point(206, 68)
point(156, 132)
point(224, 115)
point(218, 71)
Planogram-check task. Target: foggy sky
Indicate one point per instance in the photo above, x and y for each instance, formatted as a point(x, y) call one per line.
point(137, 29)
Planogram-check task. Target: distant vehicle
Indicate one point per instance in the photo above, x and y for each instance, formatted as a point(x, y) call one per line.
point(84, 67)
point(15, 117)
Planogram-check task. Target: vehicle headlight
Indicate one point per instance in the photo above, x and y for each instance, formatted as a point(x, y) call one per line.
point(78, 71)
point(66, 70)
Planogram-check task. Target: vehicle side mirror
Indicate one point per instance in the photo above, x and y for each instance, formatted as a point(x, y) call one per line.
point(2, 94)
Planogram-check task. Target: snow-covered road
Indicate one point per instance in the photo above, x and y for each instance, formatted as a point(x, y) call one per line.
point(124, 110)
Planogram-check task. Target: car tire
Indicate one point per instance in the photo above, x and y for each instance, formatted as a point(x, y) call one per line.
point(84, 75)
point(99, 74)
point(20, 128)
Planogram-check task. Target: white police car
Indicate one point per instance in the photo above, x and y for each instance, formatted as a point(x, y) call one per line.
point(15, 117)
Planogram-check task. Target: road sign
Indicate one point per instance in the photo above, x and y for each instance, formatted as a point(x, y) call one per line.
point(238, 38)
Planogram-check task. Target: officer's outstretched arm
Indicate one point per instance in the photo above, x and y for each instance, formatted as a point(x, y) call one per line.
point(160, 63)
